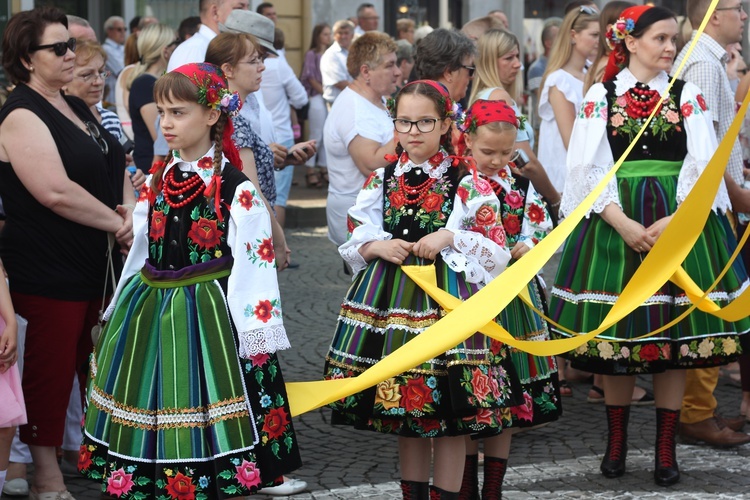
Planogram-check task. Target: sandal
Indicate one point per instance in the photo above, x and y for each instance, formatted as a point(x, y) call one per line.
point(312, 178)
point(565, 389)
point(599, 398)
point(324, 173)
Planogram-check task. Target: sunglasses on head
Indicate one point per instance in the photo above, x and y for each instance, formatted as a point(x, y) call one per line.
point(60, 48)
point(585, 9)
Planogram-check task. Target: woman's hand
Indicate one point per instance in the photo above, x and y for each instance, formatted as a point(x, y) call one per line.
point(655, 229)
point(428, 247)
point(519, 250)
point(124, 235)
point(636, 236)
point(137, 179)
point(8, 344)
point(394, 251)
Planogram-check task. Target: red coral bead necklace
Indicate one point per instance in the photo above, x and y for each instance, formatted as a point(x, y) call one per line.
point(180, 189)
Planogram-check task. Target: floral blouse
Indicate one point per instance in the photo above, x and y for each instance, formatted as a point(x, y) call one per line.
point(252, 292)
point(524, 215)
point(245, 137)
point(479, 240)
point(590, 154)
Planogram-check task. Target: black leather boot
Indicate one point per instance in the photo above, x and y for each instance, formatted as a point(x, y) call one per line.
point(470, 481)
point(613, 463)
point(414, 490)
point(440, 494)
point(494, 474)
point(666, 472)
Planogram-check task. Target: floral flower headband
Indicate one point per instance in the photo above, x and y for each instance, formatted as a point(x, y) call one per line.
point(213, 90)
point(618, 31)
point(615, 35)
point(451, 108)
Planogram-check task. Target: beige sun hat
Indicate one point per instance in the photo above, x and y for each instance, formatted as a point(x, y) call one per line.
point(252, 23)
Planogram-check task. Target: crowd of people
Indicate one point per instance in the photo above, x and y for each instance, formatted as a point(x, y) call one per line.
point(144, 182)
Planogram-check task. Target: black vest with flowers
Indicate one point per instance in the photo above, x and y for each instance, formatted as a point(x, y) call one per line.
point(664, 139)
point(191, 234)
point(411, 222)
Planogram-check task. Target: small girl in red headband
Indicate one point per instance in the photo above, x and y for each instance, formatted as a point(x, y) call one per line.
point(411, 212)
point(490, 131)
point(186, 397)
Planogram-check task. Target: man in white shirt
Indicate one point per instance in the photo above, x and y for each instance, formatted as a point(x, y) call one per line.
point(333, 62)
point(114, 46)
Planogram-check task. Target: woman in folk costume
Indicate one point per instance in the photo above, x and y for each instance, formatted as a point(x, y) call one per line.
point(606, 248)
point(186, 397)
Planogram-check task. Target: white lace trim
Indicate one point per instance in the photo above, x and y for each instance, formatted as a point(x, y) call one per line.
point(434, 172)
point(689, 173)
point(626, 80)
point(262, 341)
point(471, 257)
point(582, 180)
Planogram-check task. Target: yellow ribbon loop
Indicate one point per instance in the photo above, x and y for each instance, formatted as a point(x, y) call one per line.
point(478, 313)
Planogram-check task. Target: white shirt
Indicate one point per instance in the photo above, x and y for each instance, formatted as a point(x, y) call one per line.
point(115, 63)
point(333, 70)
point(281, 88)
point(552, 152)
point(256, 113)
point(192, 50)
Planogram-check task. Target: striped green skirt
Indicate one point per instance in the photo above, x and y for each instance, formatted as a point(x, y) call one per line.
point(173, 412)
point(537, 374)
point(462, 391)
point(596, 265)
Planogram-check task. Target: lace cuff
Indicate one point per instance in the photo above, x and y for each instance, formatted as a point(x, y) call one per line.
point(471, 255)
point(582, 179)
point(262, 341)
point(350, 252)
point(689, 173)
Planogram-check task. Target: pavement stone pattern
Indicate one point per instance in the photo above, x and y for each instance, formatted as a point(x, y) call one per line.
point(560, 460)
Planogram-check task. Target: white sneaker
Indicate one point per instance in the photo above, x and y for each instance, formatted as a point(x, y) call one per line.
point(290, 487)
point(17, 487)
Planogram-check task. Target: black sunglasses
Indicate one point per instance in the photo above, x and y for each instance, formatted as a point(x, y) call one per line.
point(97, 136)
point(470, 69)
point(60, 48)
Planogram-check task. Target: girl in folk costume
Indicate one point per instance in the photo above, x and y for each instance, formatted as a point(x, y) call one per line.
point(409, 213)
point(490, 132)
point(606, 248)
point(186, 397)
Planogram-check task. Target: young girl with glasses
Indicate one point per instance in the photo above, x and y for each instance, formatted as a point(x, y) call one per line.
point(414, 212)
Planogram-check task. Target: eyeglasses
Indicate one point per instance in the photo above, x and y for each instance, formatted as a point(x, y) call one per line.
point(470, 69)
point(739, 8)
point(97, 136)
point(425, 125)
point(60, 48)
point(99, 74)
point(585, 9)
point(255, 61)
point(121, 28)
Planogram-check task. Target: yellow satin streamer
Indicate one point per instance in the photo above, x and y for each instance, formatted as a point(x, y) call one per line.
point(477, 313)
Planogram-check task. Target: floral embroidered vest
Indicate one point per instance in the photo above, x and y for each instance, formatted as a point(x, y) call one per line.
point(665, 139)
point(184, 236)
point(412, 222)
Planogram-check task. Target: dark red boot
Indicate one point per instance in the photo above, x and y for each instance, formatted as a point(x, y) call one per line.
point(470, 481)
point(414, 490)
point(494, 474)
point(440, 494)
point(613, 463)
point(666, 472)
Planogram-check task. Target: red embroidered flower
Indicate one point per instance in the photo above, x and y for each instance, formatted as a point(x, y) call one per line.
point(485, 416)
point(483, 187)
point(432, 202)
point(248, 474)
point(588, 109)
point(181, 487)
point(486, 216)
point(158, 223)
point(666, 351)
point(503, 174)
point(84, 458)
point(480, 384)
point(212, 96)
point(514, 199)
point(397, 199)
point(119, 483)
point(462, 193)
point(649, 352)
point(415, 394)
point(536, 214)
point(511, 224)
point(265, 250)
point(436, 159)
point(479, 229)
point(495, 346)
point(205, 163)
point(144, 192)
point(526, 410)
point(275, 423)
point(260, 359)
point(687, 109)
point(369, 179)
point(702, 102)
point(350, 226)
point(497, 234)
point(205, 234)
point(263, 310)
point(427, 424)
point(246, 199)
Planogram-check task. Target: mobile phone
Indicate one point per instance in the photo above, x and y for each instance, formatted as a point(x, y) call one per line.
point(291, 153)
point(127, 144)
point(520, 160)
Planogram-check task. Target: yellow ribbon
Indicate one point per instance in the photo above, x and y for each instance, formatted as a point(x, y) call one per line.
point(477, 313)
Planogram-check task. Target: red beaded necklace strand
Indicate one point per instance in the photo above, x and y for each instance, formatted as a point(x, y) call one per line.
point(641, 101)
point(420, 190)
point(179, 189)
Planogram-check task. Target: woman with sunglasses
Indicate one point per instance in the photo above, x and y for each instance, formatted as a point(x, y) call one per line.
point(61, 179)
point(446, 56)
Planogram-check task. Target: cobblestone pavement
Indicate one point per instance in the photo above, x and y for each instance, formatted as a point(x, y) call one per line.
point(557, 461)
